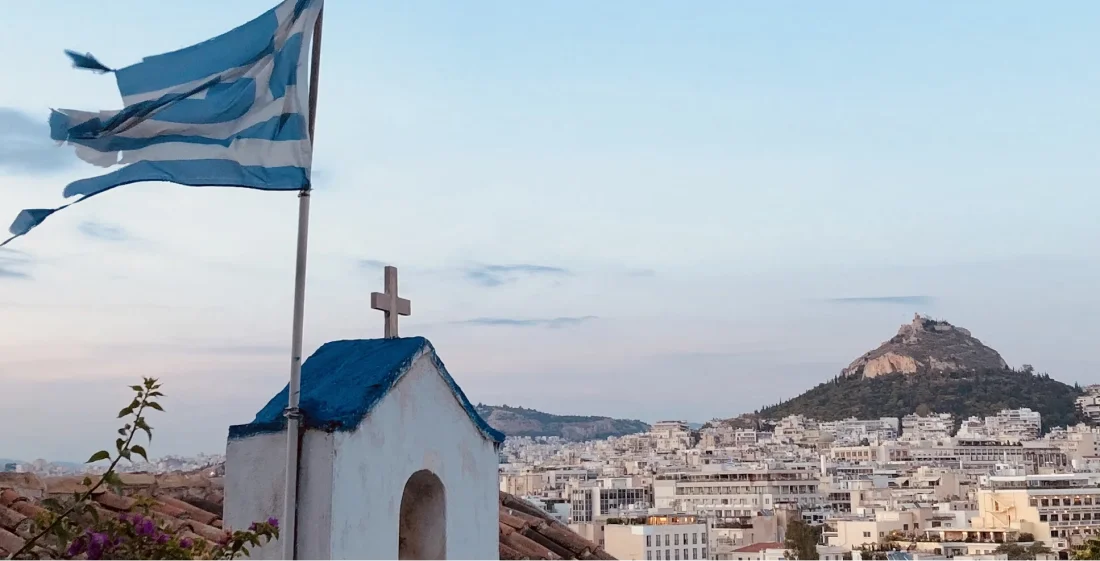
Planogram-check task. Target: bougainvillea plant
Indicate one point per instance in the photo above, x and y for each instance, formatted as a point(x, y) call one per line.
point(76, 525)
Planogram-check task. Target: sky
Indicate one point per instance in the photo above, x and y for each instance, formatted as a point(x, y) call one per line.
point(642, 210)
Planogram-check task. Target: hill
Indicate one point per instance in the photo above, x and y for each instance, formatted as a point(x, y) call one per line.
point(926, 345)
point(931, 365)
point(518, 421)
point(963, 394)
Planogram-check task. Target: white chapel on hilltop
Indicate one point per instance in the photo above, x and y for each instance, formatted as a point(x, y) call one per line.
point(395, 461)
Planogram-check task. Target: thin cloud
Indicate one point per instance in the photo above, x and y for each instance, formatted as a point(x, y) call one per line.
point(553, 323)
point(900, 300)
point(104, 232)
point(12, 263)
point(497, 275)
point(25, 145)
point(372, 264)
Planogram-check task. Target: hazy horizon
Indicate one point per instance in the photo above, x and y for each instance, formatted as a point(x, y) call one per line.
point(639, 211)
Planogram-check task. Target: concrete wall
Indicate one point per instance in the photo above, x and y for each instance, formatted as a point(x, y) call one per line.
point(418, 425)
point(255, 480)
point(624, 542)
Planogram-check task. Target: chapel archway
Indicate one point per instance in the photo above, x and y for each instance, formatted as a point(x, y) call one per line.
point(422, 531)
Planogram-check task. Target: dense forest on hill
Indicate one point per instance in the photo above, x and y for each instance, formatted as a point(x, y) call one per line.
point(963, 394)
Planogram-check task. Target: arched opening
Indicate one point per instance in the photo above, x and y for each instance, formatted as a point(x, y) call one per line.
point(422, 533)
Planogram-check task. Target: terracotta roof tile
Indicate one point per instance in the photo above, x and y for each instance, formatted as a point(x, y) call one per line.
point(14, 520)
point(758, 547)
point(8, 496)
point(115, 502)
point(10, 541)
point(193, 512)
point(526, 532)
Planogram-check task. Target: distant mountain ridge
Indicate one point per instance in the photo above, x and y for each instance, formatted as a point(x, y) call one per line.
point(520, 421)
point(931, 365)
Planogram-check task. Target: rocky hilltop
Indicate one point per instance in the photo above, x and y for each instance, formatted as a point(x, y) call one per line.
point(926, 345)
point(518, 421)
point(929, 365)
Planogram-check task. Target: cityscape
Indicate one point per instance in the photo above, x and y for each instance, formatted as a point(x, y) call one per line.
point(549, 281)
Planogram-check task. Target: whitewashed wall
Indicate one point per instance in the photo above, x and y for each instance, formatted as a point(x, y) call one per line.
point(418, 425)
point(255, 481)
point(352, 482)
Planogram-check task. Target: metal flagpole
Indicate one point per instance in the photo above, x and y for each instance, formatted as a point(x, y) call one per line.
point(293, 414)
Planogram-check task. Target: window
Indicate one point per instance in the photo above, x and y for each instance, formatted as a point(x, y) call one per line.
point(1045, 502)
point(866, 534)
point(668, 556)
point(1034, 501)
point(704, 553)
point(649, 556)
point(695, 553)
point(676, 539)
point(685, 554)
point(1042, 518)
point(694, 538)
point(649, 541)
point(666, 545)
point(685, 538)
point(704, 541)
point(905, 527)
point(676, 554)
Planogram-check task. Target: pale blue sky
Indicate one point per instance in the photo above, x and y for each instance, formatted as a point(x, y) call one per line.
point(696, 184)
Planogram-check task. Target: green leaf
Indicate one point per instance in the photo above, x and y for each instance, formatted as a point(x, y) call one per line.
point(139, 450)
point(140, 423)
point(122, 432)
point(137, 388)
point(112, 478)
point(101, 455)
point(155, 405)
point(155, 394)
point(125, 411)
point(149, 382)
point(125, 453)
point(119, 443)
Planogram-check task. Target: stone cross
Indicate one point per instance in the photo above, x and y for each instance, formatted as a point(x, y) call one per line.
point(390, 303)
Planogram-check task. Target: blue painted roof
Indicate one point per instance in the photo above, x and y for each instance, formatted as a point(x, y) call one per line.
point(344, 380)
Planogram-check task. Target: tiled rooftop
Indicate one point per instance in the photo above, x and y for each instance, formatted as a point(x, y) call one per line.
point(192, 504)
point(528, 533)
point(758, 547)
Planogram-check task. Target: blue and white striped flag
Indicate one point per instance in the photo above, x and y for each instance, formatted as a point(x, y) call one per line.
point(228, 112)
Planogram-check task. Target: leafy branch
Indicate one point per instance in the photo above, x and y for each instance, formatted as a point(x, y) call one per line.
point(124, 448)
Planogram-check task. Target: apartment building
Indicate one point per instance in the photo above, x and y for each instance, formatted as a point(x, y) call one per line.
point(664, 537)
point(728, 491)
point(915, 428)
point(1054, 508)
point(1088, 405)
point(1081, 443)
point(610, 497)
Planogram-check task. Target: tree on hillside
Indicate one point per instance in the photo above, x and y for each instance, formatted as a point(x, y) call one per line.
point(1088, 550)
point(801, 540)
point(1017, 551)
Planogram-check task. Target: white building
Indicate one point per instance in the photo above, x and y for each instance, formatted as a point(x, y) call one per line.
point(727, 491)
point(915, 428)
point(1089, 404)
point(664, 537)
point(395, 461)
point(1019, 424)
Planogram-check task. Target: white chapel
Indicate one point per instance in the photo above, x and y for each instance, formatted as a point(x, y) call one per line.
point(395, 461)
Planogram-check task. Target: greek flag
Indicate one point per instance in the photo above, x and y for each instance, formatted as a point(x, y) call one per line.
point(228, 112)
